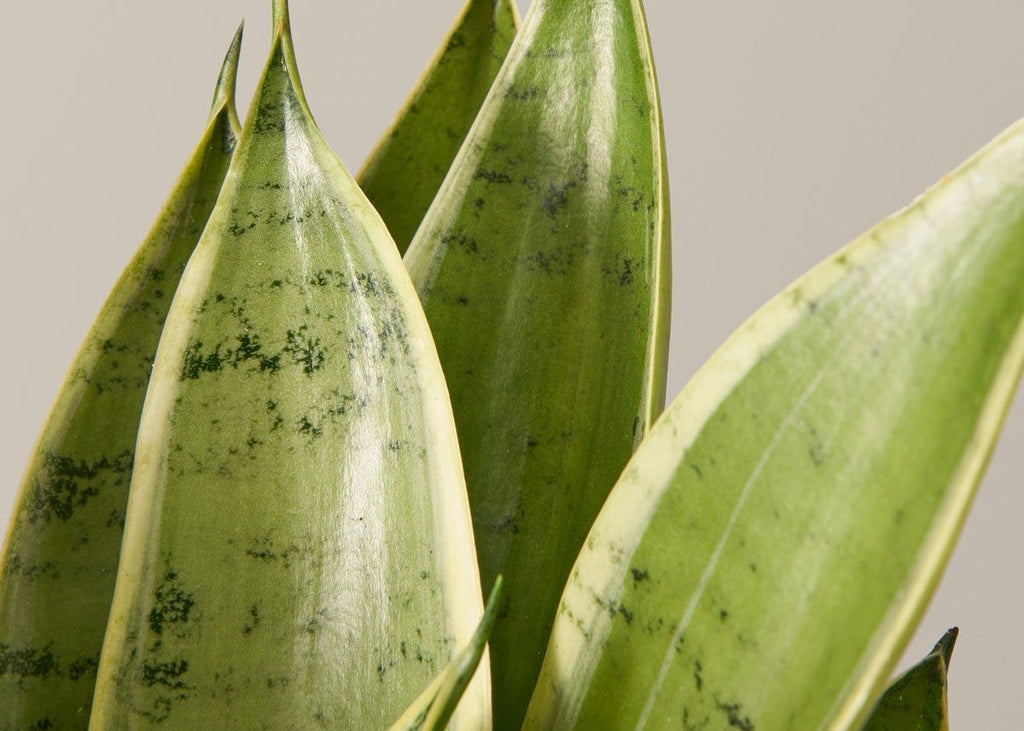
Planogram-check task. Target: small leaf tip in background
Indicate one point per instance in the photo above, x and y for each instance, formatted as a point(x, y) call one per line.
point(224, 95)
point(916, 700)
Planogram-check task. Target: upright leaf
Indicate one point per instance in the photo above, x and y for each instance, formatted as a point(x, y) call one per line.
point(60, 557)
point(403, 173)
point(298, 549)
point(916, 701)
point(772, 544)
point(543, 266)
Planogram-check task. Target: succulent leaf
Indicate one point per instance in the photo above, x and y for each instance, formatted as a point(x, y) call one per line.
point(298, 540)
point(543, 266)
point(771, 546)
point(60, 556)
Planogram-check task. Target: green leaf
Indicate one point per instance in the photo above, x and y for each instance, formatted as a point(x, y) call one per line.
point(403, 173)
point(916, 701)
point(434, 708)
point(543, 266)
point(298, 549)
point(770, 548)
point(59, 560)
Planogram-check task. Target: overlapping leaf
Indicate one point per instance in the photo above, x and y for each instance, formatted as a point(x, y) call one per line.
point(298, 549)
point(403, 173)
point(433, 710)
point(769, 549)
point(543, 268)
point(60, 557)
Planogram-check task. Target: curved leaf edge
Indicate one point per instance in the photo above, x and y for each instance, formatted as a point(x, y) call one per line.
point(714, 381)
point(421, 81)
point(657, 354)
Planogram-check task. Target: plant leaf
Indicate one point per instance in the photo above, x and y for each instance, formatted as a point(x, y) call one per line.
point(916, 701)
point(767, 553)
point(298, 549)
point(434, 708)
point(61, 551)
point(543, 266)
point(403, 173)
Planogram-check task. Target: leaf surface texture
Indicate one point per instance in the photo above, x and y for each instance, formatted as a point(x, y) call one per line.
point(298, 549)
point(767, 553)
point(405, 170)
point(60, 556)
point(543, 267)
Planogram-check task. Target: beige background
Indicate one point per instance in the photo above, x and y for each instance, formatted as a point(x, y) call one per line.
point(791, 126)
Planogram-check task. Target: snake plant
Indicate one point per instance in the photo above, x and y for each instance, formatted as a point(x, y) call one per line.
point(305, 459)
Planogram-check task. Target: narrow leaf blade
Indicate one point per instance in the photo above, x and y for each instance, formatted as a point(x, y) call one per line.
point(916, 701)
point(403, 173)
point(298, 549)
point(543, 266)
point(768, 551)
point(60, 557)
point(434, 708)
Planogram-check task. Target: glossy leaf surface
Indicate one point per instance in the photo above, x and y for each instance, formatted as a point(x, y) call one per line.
point(768, 551)
point(916, 701)
point(60, 557)
point(298, 549)
point(433, 710)
point(403, 173)
point(543, 267)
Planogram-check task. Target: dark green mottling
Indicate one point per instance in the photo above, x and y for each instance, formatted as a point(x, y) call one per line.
point(61, 553)
point(837, 459)
point(402, 175)
point(22, 663)
point(275, 536)
point(63, 484)
point(543, 267)
point(171, 605)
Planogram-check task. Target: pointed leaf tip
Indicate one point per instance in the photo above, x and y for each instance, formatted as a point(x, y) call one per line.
point(944, 646)
point(917, 699)
point(282, 37)
point(224, 94)
point(483, 631)
point(463, 668)
point(433, 709)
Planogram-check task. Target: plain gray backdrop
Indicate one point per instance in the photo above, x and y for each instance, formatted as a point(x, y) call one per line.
point(791, 128)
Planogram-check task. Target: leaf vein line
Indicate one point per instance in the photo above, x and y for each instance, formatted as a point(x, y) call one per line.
point(716, 555)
